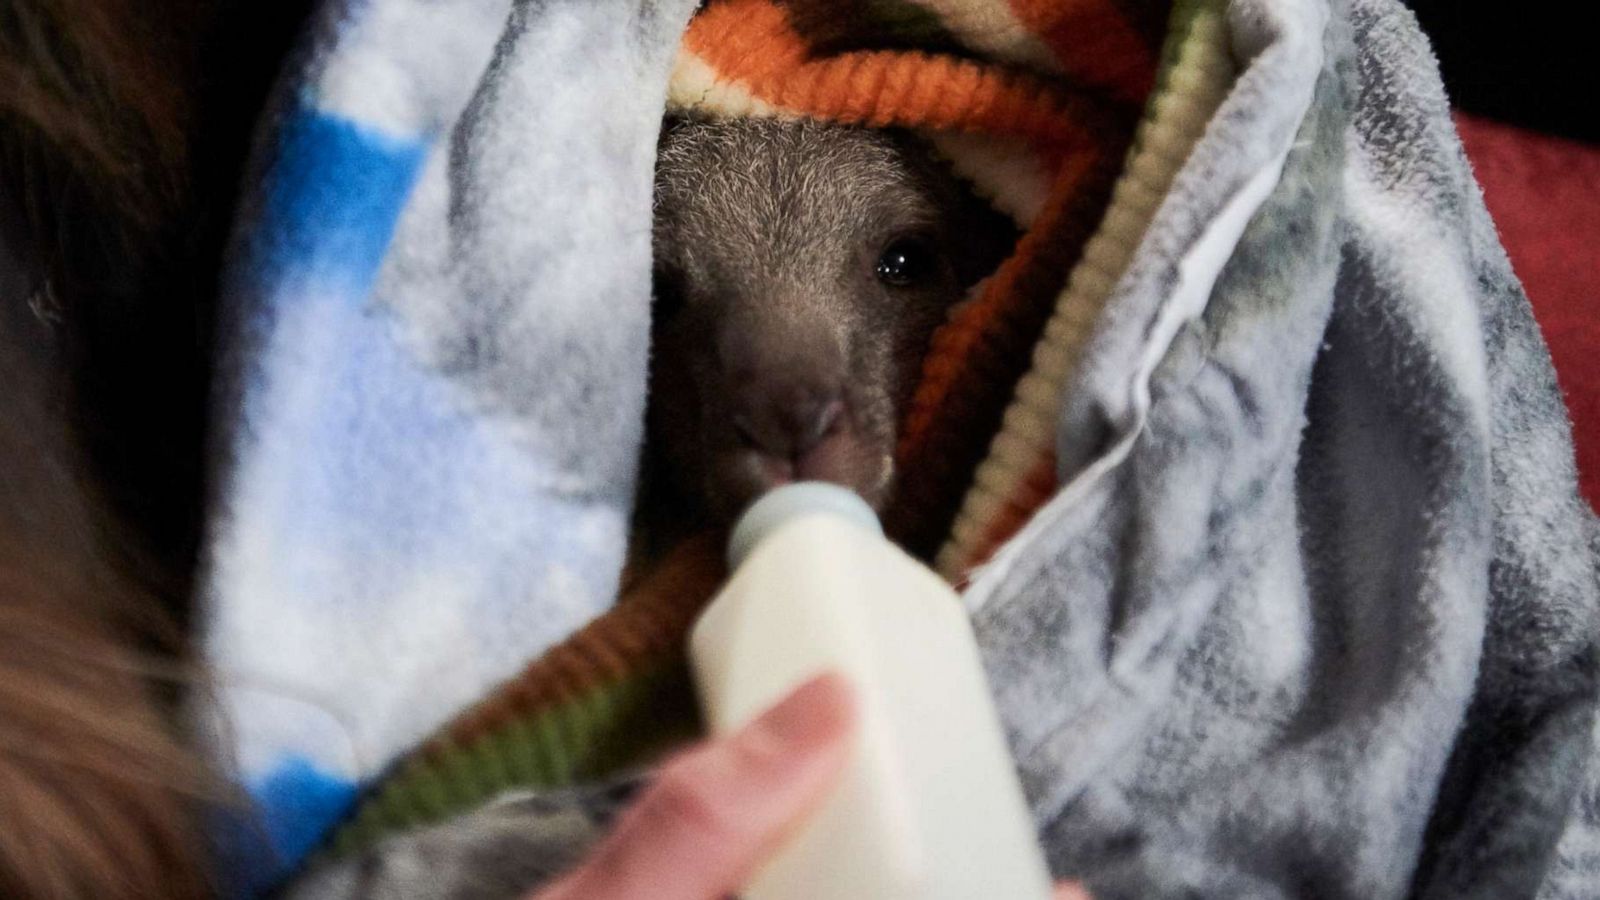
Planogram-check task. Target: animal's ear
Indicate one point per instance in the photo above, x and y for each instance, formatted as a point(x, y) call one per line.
point(980, 237)
point(977, 237)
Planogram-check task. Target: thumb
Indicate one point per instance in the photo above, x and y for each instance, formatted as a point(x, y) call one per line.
point(715, 814)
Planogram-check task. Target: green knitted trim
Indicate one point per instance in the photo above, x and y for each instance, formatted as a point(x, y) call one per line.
point(1194, 61)
point(608, 729)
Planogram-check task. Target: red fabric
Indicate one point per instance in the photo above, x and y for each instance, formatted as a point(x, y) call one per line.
point(1544, 195)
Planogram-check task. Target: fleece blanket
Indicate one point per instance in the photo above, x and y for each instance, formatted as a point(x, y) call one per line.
point(437, 313)
point(1275, 554)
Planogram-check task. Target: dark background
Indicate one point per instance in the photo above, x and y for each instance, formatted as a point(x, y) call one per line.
point(1530, 64)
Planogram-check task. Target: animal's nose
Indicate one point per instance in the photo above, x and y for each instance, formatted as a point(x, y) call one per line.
point(786, 421)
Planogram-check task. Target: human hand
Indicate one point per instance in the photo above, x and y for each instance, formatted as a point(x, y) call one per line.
point(716, 813)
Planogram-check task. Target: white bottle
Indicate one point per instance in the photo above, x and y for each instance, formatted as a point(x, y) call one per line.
point(929, 807)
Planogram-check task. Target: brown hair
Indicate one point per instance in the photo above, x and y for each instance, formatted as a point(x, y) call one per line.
point(99, 799)
point(98, 796)
point(95, 102)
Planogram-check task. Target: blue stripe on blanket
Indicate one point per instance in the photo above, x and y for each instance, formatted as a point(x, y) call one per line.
point(332, 196)
point(333, 193)
point(293, 809)
point(302, 802)
point(298, 804)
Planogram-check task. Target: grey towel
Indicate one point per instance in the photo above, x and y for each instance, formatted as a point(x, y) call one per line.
point(1325, 622)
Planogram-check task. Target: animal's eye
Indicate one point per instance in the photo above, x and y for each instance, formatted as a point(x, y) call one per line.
point(667, 291)
point(906, 261)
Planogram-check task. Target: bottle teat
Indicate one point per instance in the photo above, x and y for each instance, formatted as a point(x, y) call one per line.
point(781, 505)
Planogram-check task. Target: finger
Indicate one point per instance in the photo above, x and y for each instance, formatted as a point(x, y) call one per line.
point(1070, 890)
point(713, 815)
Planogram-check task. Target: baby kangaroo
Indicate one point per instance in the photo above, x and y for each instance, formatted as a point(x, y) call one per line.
point(800, 269)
